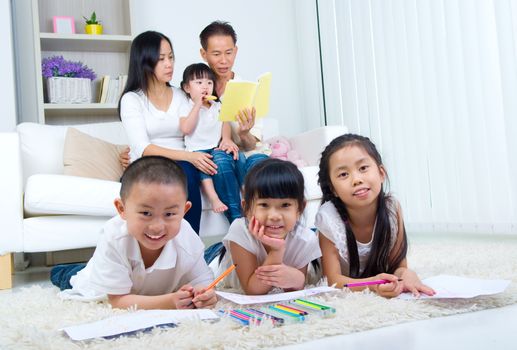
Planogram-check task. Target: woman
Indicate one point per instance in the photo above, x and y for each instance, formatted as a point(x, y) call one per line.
point(149, 110)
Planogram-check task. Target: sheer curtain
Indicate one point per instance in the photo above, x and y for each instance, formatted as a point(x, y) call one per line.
point(434, 84)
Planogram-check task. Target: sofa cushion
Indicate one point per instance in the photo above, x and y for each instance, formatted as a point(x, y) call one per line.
point(61, 232)
point(310, 177)
point(42, 145)
point(62, 194)
point(88, 156)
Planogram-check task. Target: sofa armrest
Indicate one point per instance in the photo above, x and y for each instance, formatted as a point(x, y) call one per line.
point(311, 143)
point(11, 190)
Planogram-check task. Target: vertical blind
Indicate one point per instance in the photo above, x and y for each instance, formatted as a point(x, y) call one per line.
point(433, 83)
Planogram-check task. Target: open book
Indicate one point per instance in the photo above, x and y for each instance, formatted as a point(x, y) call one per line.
point(239, 95)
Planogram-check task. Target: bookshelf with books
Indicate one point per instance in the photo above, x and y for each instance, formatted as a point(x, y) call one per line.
point(106, 54)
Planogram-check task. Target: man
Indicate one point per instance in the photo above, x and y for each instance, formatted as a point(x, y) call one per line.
point(219, 50)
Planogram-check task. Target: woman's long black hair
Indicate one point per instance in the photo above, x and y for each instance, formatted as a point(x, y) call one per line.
point(143, 57)
point(379, 260)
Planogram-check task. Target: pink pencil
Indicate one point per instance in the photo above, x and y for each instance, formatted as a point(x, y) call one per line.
point(367, 283)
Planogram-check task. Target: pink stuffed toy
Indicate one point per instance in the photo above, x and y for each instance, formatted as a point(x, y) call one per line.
point(281, 149)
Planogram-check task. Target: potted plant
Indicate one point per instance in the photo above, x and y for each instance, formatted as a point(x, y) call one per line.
point(67, 81)
point(93, 25)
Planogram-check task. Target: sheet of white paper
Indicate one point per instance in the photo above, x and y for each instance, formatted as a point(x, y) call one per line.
point(448, 287)
point(134, 321)
point(271, 298)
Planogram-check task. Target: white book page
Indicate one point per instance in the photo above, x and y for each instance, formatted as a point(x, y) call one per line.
point(242, 299)
point(134, 321)
point(448, 287)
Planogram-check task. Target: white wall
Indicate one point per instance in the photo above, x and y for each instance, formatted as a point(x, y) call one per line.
point(272, 35)
point(7, 88)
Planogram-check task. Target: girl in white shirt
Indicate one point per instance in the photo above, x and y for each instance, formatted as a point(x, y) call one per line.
point(269, 245)
point(199, 121)
point(362, 234)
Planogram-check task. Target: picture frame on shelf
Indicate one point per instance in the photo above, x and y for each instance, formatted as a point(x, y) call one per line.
point(64, 24)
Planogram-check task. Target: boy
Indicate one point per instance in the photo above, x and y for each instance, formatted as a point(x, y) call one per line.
point(148, 255)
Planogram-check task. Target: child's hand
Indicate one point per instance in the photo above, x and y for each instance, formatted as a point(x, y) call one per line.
point(204, 298)
point(388, 290)
point(198, 100)
point(229, 146)
point(411, 283)
point(257, 231)
point(124, 158)
point(182, 299)
point(281, 276)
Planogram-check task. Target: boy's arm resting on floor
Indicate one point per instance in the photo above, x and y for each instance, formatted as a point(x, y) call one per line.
point(181, 299)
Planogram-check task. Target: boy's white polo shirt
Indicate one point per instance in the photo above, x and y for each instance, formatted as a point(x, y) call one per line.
point(117, 266)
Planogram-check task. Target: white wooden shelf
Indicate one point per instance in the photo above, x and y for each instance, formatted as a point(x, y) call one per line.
point(85, 42)
point(72, 106)
point(80, 109)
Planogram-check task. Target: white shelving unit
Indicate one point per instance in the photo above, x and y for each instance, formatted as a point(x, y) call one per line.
point(106, 54)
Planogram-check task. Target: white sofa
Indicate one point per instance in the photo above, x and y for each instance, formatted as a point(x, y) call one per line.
point(43, 210)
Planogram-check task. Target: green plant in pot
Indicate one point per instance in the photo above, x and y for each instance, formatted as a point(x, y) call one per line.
point(93, 25)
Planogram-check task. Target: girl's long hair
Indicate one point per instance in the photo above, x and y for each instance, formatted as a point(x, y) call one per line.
point(381, 258)
point(143, 57)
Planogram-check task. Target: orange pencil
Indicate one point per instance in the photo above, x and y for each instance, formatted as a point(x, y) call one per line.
point(223, 275)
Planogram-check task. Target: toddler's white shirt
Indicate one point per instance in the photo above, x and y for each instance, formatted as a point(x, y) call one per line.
point(207, 133)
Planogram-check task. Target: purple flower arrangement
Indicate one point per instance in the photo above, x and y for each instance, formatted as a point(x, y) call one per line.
point(57, 66)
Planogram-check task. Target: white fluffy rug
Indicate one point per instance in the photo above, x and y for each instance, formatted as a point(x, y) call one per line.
point(31, 317)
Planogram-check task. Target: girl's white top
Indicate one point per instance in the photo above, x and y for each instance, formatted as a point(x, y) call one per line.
point(301, 247)
point(145, 124)
point(207, 133)
point(329, 223)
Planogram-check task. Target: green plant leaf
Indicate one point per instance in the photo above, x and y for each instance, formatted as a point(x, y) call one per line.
point(92, 19)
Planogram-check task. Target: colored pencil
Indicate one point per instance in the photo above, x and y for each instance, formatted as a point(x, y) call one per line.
point(367, 283)
point(310, 304)
point(289, 308)
point(266, 315)
point(287, 312)
point(223, 275)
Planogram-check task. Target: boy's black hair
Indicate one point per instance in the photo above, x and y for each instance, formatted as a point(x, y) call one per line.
point(143, 57)
point(197, 71)
point(380, 260)
point(216, 28)
point(152, 170)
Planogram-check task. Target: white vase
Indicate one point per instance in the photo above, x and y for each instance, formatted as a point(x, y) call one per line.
point(69, 90)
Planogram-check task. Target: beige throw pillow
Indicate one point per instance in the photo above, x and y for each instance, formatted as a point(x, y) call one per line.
point(88, 156)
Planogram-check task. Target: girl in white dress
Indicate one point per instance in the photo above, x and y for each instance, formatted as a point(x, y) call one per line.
point(362, 235)
point(269, 245)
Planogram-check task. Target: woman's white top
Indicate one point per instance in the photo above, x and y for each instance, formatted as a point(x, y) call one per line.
point(117, 267)
point(301, 247)
point(329, 223)
point(207, 133)
point(145, 124)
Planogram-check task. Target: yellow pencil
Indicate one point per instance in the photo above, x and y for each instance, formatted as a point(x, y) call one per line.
point(223, 275)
